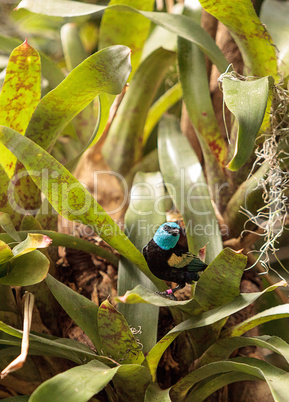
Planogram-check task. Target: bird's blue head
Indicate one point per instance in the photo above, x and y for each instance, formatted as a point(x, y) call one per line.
point(167, 235)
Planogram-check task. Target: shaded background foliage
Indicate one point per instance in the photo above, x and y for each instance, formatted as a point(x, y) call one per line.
point(175, 71)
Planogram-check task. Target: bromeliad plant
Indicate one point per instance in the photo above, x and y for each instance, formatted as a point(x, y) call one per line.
point(122, 364)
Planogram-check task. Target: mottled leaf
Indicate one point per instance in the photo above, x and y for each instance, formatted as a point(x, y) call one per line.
point(220, 283)
point(19, 96)
point(117, 339)
point(249, 33)
point(69, 198)
point(104, 71)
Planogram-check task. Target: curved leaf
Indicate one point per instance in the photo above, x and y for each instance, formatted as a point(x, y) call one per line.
point(247, 100)
point(5, 253)
point(79, 384)
point(178, 24)
point(67, 196)
point(42, 345)
point(223, 348)
point(197, 97)
point(31, 243)
point(48, 68)
point(249, 33)
point(274, 313)
point(121, 152)
point(202, 320)
point(275, 377)
point(80, 309)
point(69, 241)
point(186, 184)
point(166, 101)
point(25, 270)
point(136, 32)
point(104, 71)
point(222, 278)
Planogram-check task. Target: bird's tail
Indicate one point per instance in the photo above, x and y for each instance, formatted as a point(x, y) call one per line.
point(197, 265)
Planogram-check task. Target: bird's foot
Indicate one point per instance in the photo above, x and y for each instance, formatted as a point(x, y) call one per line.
point(168, 294)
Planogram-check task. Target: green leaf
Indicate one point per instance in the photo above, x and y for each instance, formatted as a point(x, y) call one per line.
point(208, 386)
point(249, 33)
point(81, 383)
point(156, 394)
point(78, 384)
point(222, 278)
point(60, 8)
point(5, 253)
point(186, 184)
point(80, 309)
point(247, 100)
point(40, 344)
point(142, 295)
point(223, 348)
point(136, 32)
point(164, 103)
point(69, 241)
point(197, 97)
point(274, 15)
point(274, 313)
point(103, 115)
point(67, 196)
point(25, 270)
point(31, 243)
point(131, 382)
point(116, 336)
point(178, 24)
point(48, 68)
point(19, 96)
point(104, 71)
point(145, 213)
point(207, 318)
point(73, 49)
point(7, 225)
point(275, 377)
point(121, 152)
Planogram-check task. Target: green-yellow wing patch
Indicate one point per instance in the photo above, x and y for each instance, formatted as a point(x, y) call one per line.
point(180, 261)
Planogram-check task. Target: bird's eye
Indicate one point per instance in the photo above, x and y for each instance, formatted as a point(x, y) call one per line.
point(166, 227)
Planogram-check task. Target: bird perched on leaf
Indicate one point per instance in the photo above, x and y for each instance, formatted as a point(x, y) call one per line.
point(170, 261)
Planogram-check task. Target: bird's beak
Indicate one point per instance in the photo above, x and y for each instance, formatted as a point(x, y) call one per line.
point(174, 231)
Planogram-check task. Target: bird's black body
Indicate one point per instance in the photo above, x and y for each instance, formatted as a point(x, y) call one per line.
point(157, 260)
point(170, 261)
